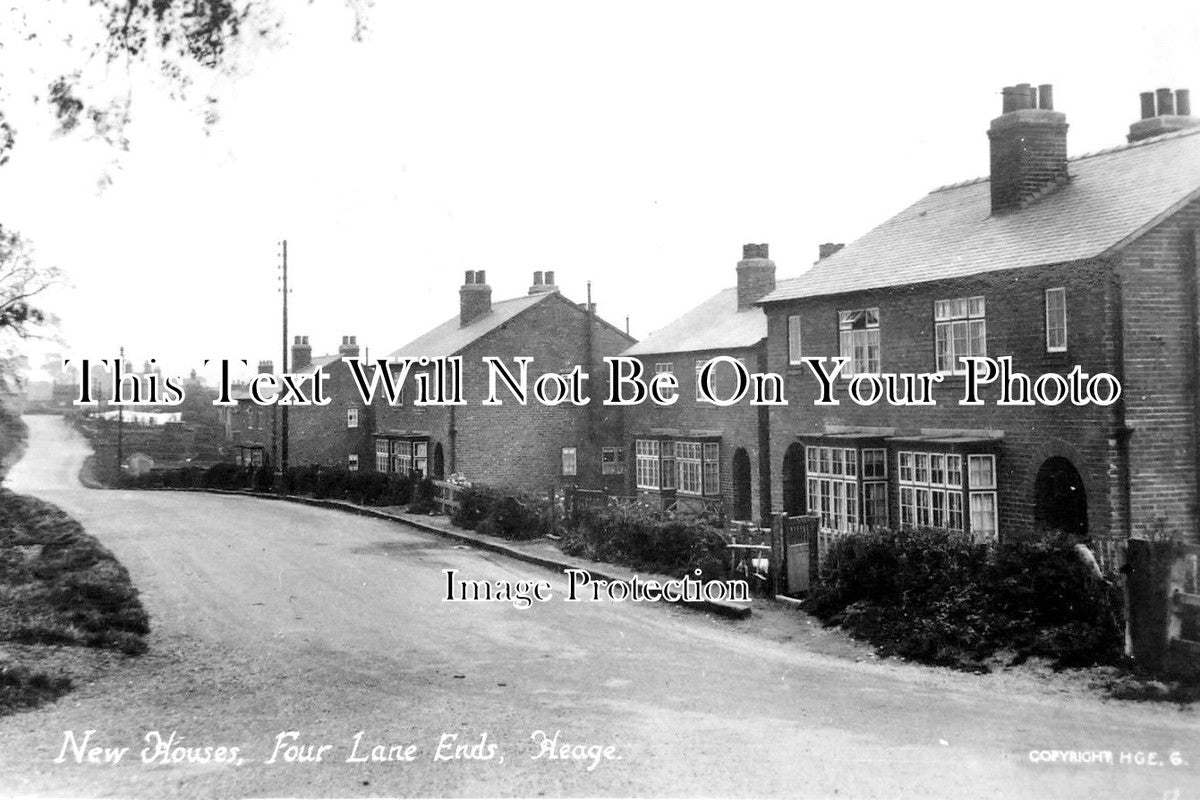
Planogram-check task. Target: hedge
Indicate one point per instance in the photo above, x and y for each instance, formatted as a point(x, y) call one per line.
point(942, 598)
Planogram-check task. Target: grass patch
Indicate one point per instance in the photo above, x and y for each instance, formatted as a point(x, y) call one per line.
point(22, 688)
point(58, 586)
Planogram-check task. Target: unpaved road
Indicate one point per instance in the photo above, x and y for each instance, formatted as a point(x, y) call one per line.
point(271, 617)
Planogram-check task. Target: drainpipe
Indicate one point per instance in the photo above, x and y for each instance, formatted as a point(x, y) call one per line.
point(1121, 431)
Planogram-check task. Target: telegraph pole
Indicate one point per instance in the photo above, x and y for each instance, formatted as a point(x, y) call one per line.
point(283, 410)
point(120, 422)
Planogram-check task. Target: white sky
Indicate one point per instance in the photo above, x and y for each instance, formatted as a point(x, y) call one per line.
point(638, 145)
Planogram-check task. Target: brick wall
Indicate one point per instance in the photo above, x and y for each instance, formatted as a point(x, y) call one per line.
point(320, 434)
point(737, 425)
point(1158, 278)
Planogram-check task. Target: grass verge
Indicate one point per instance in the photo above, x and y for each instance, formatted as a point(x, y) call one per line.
point(58, 586)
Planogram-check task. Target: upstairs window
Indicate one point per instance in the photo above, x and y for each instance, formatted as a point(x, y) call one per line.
point(351, 417)
point(793, 334)
point(352, 462)
point(961, 330)
point(1056, 320)
point(570, 465)
point(668, 367)
point(858, 340)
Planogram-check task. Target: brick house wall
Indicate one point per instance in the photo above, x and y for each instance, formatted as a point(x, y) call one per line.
point(321, 435)
point(736, 427)
point(521, 446)
point(1158, 274)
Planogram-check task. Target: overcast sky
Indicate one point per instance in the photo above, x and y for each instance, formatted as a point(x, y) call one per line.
point(636, 145)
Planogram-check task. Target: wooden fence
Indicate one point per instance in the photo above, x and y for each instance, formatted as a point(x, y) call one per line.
point(445, 497)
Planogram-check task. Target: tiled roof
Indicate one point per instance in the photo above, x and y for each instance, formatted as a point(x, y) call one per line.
point(450, 337)
point(715, 324)
point(1112, 196)
point(319, 362)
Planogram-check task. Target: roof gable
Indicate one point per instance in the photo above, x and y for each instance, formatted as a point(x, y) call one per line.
point(1112, 197)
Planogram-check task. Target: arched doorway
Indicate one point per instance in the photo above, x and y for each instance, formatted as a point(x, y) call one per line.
point(439, 463)
point(1060, 500)
point(793, 476)
point(741, 485)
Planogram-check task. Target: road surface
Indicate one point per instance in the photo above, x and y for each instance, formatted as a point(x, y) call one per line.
point(271, 618)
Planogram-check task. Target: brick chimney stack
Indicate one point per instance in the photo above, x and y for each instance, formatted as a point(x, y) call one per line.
point(266, 367)
point(1029, 147)
point(349, 347)
point(301, 353)
point(755, 275)
point(475, 297)
point(543, 282)
point(1163, 111)
point(826, 249)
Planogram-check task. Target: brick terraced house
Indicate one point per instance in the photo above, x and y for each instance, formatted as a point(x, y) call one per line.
point(1050, 260)
point(693, 450)
point(339, 434)
point(530, 446)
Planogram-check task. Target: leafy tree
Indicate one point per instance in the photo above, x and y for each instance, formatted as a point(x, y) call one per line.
point(83, 54)
point(21, 281)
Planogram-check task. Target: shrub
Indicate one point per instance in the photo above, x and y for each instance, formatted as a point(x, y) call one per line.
point(648, 539)
point(942, 598)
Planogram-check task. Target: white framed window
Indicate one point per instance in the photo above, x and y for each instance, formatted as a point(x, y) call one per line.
point(646, 463)
point(402, 456)
point(712, 468)
point(832, 481)
point(612, 461)
point(688, 468)
point(981, 472)
point(960, 330)
point(570, 461)
point(667, 367)
point(420, 451)
point(353, 462)
point(983, 515)
point(1056, 320)
point(700, 362)
point(351, 417)
point(930, 487)
point(382, 461)
point(858, 340)
point(793, 338)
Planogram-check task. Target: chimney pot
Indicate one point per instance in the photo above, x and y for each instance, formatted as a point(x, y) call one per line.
point(755, 251)
point(469, 278)
point(1166, 102)
point(1010, 99)
point(480, 277)
point(537, 278)
point(1147, 105)
point(550, 277)
point(1046, 97)
point(1183, 102)
point(349, 348)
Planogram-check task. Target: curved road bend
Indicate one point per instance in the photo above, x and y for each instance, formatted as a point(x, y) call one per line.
point(272, 617)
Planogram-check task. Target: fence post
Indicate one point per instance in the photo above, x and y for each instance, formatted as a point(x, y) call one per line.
point(553, 501)
point(777, 550)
